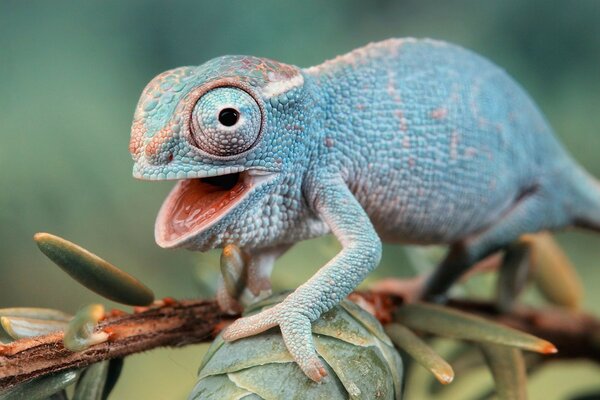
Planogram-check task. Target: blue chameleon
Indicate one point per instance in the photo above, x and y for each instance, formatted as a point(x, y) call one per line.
point(405, 140)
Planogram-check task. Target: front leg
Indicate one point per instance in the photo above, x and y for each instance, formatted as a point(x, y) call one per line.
point(260, 266)
point(250, 272)
point(361, 252)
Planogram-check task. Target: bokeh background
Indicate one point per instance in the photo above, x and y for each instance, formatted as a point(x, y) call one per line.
point(70, 76)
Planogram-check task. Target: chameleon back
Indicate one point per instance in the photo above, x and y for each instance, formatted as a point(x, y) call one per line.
point(437, 142)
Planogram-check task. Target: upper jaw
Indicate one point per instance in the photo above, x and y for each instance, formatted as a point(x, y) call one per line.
point(199, 202)
point(162, 173)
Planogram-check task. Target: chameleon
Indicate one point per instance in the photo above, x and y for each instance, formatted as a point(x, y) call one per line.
point(402, 141)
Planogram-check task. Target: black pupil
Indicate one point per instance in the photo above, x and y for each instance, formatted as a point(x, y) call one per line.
point(228, 116)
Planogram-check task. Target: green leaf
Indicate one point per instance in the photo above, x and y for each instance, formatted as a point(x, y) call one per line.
point(360, 372)
point(444, 321)
point(19, 328)
point(340, 324)
point(218, 387)
point(91, 385)
point(406, 340)
point(41, 388)
point(93, 272)
point(37, 313)
point(62, 395)
point(249, 352)
point(367, 320)
point(508, 369)
point(252, 397)
point(554, 275)
point(287, 381)
point(513, 275)
point(114, 371)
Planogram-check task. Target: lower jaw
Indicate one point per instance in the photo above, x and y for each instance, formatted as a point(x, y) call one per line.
point(196, 205)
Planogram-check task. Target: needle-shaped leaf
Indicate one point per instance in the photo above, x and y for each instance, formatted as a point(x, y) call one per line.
point(41, 388)
point(554, 275)
point(421, 352)
point(444, 321)
point(37, 313)
point(232, 269)
point(93, 272)
point(465, 358)
point(61, 395)
point(81, 332)
point(508, 369)
point(5, 337)
point(513, 275)
point(91, 385)
point(19, 328)
point(114, 372)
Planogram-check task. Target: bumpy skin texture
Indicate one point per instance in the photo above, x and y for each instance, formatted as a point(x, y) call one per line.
point(404, 140)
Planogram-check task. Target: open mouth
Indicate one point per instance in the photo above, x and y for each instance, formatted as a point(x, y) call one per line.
point(195, 204)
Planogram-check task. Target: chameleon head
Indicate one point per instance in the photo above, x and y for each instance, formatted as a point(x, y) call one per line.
point(228, 130)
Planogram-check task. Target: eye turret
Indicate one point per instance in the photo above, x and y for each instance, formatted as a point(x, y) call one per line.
point(226, 121)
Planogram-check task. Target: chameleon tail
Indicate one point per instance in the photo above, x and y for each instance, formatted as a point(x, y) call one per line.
point(586, 200)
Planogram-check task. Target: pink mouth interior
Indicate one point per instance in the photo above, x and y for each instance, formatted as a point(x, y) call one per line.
point(194, 203)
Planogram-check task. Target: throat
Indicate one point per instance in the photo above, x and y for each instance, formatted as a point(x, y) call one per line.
point(200, 200)
point(225, 182)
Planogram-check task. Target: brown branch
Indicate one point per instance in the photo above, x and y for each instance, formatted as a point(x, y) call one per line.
point(174, 324)
point(177, 324)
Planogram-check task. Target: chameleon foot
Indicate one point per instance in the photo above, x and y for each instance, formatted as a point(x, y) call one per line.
point(295, 329)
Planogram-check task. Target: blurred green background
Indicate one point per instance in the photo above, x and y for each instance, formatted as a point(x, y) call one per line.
point(70, 76)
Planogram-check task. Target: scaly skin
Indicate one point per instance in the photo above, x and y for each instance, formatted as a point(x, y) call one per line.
point(404, 140)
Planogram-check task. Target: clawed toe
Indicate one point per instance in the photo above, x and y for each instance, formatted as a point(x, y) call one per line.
point(296, 331)
point(314, 369)
point(249, 326)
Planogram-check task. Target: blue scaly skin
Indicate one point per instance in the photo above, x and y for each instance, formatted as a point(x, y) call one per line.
point(404, 141)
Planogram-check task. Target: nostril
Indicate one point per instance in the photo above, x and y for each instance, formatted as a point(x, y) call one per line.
point(170, 158)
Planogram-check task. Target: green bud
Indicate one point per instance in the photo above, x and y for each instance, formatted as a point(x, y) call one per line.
point(360, 360)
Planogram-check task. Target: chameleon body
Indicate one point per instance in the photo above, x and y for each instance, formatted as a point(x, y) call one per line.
point(406, 140)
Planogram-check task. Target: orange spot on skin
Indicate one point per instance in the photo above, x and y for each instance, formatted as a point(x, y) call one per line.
point(470, 152)
point(454, 145)
point(138, 130)
point(406, 142)
point(403, 124)
point(294, 127)
point(155, 145)
point(328, 142)
point(439, 113)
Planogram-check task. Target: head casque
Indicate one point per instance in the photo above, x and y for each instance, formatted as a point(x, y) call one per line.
point(231, 130)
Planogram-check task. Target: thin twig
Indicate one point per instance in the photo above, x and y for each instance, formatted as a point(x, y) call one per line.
point(177, 324)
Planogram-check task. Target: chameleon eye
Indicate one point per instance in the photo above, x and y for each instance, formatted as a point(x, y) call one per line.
point(226, 121)
point(228, 116)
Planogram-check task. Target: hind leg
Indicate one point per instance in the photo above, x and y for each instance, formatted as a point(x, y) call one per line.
point(528, 214)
